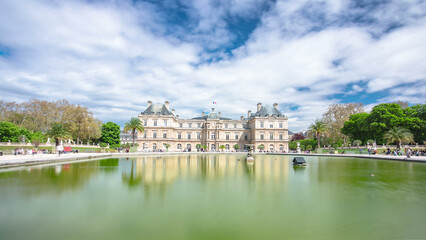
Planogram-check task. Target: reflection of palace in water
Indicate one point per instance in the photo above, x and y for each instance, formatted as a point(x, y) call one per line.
point(165, 170)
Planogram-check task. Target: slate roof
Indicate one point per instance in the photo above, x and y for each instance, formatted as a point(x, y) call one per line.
point(212, 115)
point(157, 109)
point(266, 111)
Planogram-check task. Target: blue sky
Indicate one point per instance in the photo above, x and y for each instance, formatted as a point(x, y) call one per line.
point(113, 56)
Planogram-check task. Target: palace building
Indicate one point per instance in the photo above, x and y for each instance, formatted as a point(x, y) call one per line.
point(266, 130)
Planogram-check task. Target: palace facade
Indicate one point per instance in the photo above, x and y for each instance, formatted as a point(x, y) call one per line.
point(266, 129)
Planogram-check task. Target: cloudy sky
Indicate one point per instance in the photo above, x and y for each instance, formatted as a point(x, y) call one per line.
point(114, 56)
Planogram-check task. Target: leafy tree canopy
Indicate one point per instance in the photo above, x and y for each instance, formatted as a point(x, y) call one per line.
point(110, 134)
point(11, 132)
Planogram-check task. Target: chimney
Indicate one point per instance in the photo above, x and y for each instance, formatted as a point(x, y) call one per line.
point(167, 103)
point(249, 114)
point(242, 118)
point(202, 113)
point(149, 103)
point(173, 111)
point(259, 106)
point(276, 106)
point(219, 114)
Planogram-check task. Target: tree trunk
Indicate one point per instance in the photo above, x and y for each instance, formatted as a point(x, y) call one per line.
point(318, 143)
point(133, 131)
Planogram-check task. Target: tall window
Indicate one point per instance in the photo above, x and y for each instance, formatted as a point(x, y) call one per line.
point(281, 125)
point(271, 147)
point(188, 146)
point(179, 146)
point(155, 123)
point(245, 137)
point(189, 135)
point(154, 135)
point(237, 136)
point(213, 136)
point(189, 125)
point(226, 125)
point(261, 124)
point(154, 146)
point(281, 136)
point(164, 135)
point(235, 125)
point(261, 137)
point(179, 135)
point(144, 135)
point(144, 123)
point(165, 123)
point(227, 136)
point(199, 125)
point(227, 146)
point(271, 125)
point(271, 136)
point(198, 135)
point(180, 125)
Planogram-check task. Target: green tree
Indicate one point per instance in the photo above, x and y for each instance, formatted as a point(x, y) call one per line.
point(58, 132)
point(134, 125)
point(399, 135)
point(12, 132)
point(308, 147)
point(222, 147)
point(318, 129)
point(110, 134)
point(261, 147)
point(236, 147)
point(357, 143)
point(358, 127)
point(198, 147)
point(167, 145)
point(370, 142)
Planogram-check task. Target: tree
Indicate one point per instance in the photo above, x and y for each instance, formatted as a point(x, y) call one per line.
point(236, 147)
point(383, 117)
point(357, 143)
point(370, 142)
point(297, 137)
point(222, 147)
point(399, 135)
point(335, 118)
point(261, 147)
point(134, 125)
point(11, 132)
point(308, 147)
point(110, 134)
point(204, 147)
point(167, 145)
point(318, 129)
point(58, 132)
point(198, 147)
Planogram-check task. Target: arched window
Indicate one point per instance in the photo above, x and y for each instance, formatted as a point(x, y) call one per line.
point(154, 146)
point(271, 147)
point(227, 146)
point(179, 146)
point(213, 147)
point(188, 146)
point(281, 147)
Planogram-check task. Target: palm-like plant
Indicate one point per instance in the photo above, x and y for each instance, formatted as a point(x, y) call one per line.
point(134, 125)
point(318, 128)
point(58, 132)
point(222, 147)
point(236, 147)
point(261, 147)
point(399, 135)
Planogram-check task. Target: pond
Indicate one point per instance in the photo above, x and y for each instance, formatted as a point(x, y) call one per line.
point(215, 196)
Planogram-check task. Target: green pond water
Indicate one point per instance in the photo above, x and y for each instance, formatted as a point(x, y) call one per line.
point(215, 196)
